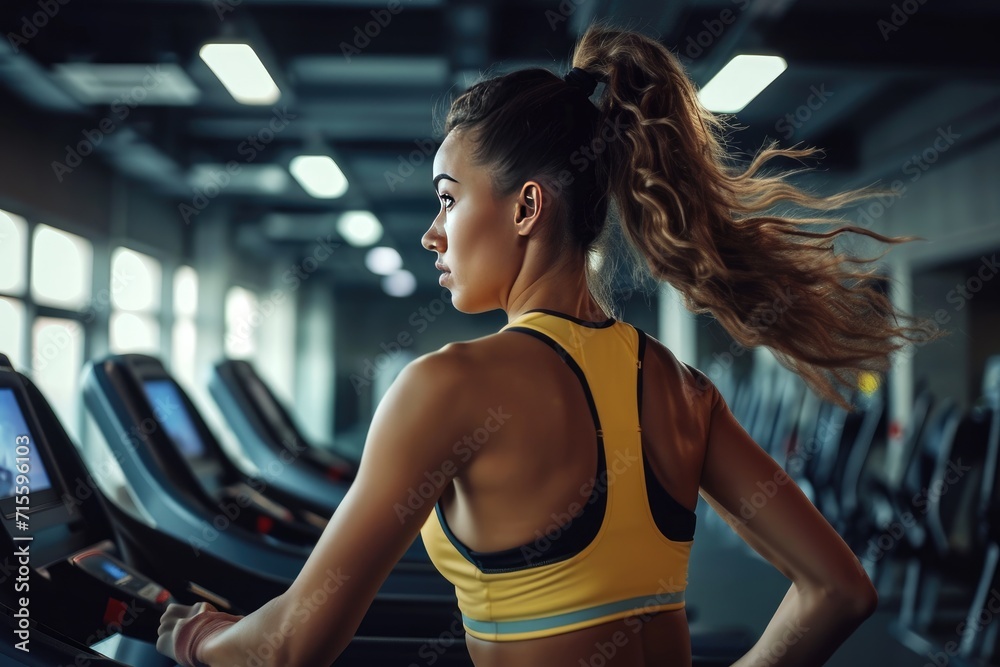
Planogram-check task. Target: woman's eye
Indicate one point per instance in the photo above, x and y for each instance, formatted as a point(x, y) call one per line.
point(446, 198)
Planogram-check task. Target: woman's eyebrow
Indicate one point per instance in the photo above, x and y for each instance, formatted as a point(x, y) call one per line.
point(439, 177)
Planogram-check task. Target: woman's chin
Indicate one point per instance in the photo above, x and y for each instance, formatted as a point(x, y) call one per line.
point(461, 306)
point(468, 306)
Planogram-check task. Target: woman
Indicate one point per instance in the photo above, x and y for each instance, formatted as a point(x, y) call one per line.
point(554, 563)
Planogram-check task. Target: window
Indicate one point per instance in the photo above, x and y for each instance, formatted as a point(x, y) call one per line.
point(56, 362)
point(185, 335)
point(242, 320)
point(136, 282)
point(11, 328)
point(61, 268)
point(185, 292)
point(133, 333)
point(13, 238)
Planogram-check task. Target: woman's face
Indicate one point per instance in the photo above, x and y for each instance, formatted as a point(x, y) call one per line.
point(475, 235)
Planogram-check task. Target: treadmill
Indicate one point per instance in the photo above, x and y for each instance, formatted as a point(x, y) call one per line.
point(72, 585)
point(81, 585)
point(267, 503)
point(269, 435)
point(175, 494)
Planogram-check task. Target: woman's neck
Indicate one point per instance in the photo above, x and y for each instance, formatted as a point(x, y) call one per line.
point(561, 286)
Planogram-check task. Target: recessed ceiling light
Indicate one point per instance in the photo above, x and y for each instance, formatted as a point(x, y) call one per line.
point(131, 85)
point(359, 228)
point(241, 72)
point(383, 260)
point(742, 79)
point(319, 175)
point(401, 283)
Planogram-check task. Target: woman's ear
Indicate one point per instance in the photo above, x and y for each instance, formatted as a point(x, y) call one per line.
point(528, 208)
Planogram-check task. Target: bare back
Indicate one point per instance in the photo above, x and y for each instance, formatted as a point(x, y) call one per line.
point(537, 464)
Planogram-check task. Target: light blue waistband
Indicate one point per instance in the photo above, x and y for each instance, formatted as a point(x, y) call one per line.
point(570, 618)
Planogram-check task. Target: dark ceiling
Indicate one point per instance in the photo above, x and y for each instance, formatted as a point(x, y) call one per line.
point(371, 104)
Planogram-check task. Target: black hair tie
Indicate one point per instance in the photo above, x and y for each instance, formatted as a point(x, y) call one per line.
point(582, 79)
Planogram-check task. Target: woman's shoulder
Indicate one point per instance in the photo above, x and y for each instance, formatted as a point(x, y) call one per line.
point(691, 383)
point(462, 361)
point(478, 354)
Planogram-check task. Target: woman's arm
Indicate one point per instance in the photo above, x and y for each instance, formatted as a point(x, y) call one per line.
point(410, 442)
point(830, 595)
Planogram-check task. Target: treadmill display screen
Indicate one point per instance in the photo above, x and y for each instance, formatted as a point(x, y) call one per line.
point(172, 412)
point(12, 427)
point(114, 570)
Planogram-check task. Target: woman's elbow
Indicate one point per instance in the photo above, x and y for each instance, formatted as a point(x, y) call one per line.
point(866, 599)
point(857, 599)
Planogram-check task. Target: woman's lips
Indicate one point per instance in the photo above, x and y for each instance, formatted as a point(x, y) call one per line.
point(445, 273)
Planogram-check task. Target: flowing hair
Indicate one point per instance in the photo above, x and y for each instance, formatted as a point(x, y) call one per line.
point(648, 153)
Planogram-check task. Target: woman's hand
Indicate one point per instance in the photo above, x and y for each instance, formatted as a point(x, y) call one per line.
point(171, 622)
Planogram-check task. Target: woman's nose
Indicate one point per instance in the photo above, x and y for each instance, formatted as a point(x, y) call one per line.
point(432, 238)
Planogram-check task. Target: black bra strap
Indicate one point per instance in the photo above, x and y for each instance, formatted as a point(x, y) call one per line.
point(674, 521)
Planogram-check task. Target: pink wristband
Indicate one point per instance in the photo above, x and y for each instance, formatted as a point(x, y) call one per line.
point(196, 631)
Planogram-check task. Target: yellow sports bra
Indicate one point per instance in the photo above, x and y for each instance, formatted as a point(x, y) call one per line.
point(625, 553)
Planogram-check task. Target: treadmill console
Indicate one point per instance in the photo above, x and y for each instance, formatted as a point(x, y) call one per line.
point(30, 497)
point(113, 572)
point(173, 413)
